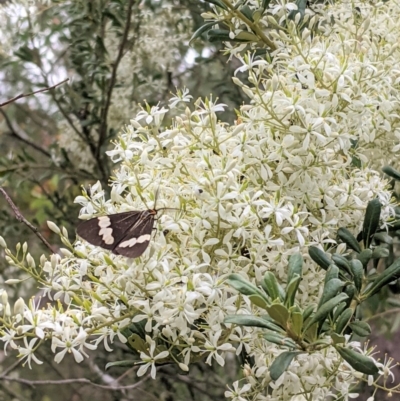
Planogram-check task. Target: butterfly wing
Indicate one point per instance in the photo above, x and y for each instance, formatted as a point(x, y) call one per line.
point(108, 231)
point(137, 238)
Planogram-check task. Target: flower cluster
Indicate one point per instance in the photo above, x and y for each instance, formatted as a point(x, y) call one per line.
point(299, 162)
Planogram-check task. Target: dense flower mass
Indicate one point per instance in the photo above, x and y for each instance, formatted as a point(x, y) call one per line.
point(300, 162)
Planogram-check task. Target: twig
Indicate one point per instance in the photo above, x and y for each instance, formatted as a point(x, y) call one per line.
point(33, 383)
point(22, 219)
point(104, 113)
point(15, 134)
point(32, 93)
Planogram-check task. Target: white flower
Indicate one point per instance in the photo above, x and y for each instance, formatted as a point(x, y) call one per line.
point(211, 346)
point(70, 341)
point(27, 352)
point(150, 359)
point(235, 393)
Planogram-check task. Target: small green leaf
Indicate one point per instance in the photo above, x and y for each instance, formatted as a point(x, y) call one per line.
point(301, 8)
point(390, 274)
point(281, 363)
point(201, 30)
point(120, 363)
point(391, 172)
point(245, 36)
point(295, 266)
point(343, 320)
point(361, 328)
point(341, 262)
point(331, 288)
point(251, 321)
point(279, 314)
point(319, 257)
point(359, 362)
point(349, 239)
point(371, 221)
point(271, 287)
point(365, 256)
point(332, 272)
point(323, 311)
point(258, 301)
point(358, 273)
point(308, 311)
point(338, 311)
point(247, 12)
point(350, 290)
point(265, 4)
point(291, 291)
point(297, 323)
point(246, 288)
point(380, 252)
point(383, 238)
point(280, 340)
point(337, 339)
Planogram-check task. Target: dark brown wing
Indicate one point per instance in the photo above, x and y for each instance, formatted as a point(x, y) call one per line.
point(137, 238)
point(108, 231)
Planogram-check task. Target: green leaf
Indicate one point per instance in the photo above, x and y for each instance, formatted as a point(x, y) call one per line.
point(271, 287)
point(265, 4)
point(280, 340)
point(380, 252)
point(390, 274)
point(297, 323)
point(259, 301)
point(301, 8)
point(350, 290)
point(222, 35)
point(252, 321)
point(365, 256)
point(281, 363)
point(323, 311)
point(362, 329)
point(279, 314)
point(332, 272)
point(246, 288)
point(391, 172)
point(245, 36)
point(341, 262)
point(383, 238)
point(319, 257)
point(295, 266)
point(343, 320)
point(201, 30)
point(291, 291)
point(308, 311)
point(358, 273)
point(359, 362)
point(349, 239)
point(337, 339)
point(371, 221)
point(247, 12)
point(338, 311)
point(331, 288)
point(120, 363)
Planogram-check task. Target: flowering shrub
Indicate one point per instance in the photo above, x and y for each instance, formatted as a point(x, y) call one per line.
point(300, 161)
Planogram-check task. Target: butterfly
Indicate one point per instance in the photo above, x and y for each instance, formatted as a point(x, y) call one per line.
point(127, 234)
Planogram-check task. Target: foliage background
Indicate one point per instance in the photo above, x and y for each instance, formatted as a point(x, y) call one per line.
point(116, 54)
point(54, 143)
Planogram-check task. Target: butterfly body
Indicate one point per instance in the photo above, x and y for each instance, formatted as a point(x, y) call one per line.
point(126, 233)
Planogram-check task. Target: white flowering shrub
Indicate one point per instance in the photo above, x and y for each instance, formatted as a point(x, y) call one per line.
point(238, 205)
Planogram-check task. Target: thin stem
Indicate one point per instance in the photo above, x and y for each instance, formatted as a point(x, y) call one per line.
point(32, 93)
point(22, 219)
point(104, 113)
